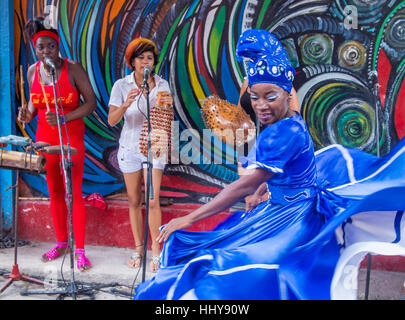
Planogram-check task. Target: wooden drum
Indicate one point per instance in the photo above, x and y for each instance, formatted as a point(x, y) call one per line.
point(16, 160)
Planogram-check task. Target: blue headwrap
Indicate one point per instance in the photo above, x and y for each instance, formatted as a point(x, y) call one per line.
point(267, 61)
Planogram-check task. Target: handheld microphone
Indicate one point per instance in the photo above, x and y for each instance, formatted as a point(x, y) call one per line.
point(49, 63)
point(146, 73)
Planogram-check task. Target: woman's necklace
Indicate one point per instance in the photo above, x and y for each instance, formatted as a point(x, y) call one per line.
point(47, 73)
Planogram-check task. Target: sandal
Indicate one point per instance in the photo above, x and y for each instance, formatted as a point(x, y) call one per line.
point(155, 263)
point(83, 263)
point(54, 252)
point(136, 259)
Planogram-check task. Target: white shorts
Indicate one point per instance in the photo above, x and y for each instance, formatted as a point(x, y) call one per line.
point(130, 161)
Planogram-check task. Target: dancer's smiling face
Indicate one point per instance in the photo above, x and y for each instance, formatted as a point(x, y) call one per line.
point(270, 102)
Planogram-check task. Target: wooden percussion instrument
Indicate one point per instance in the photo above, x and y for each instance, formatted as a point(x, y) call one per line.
point(28, 160)
point(22, 161)
point(16, 160)
point(227, 121)
point(161, 117)
point(46, 148)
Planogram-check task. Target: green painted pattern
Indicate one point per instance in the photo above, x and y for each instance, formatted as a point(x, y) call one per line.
point(64, 21)
point(262, 13)
point(83, 42)
point(187, 90)
point(169, 39)
point(215, 38)
point(107, 71)
point(98, 130)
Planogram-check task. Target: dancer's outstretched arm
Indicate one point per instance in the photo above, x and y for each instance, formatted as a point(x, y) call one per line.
point(232, 193)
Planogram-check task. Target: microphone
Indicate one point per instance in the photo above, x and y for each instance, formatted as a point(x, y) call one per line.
point(50, 63)
point(146, 73)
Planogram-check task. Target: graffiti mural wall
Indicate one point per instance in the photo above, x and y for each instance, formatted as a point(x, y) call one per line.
point(339, 48)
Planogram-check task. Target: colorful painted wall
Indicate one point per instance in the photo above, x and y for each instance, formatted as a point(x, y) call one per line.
point(334, 45)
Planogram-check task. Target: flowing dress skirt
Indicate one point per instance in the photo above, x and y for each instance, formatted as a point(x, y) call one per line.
point(297, 251)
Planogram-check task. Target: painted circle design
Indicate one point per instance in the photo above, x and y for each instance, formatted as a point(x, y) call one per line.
point(352, 55)
point(340, 113)
point(316, 48)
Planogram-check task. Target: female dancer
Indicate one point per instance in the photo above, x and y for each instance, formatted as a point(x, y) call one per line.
point(73, 83)
point(261, 193)
point(128, 101)
point(284, 248)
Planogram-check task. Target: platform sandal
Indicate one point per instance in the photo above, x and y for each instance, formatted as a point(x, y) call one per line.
point(135, 260)
point(155, 263)
point(83, 263)
point(54, 252)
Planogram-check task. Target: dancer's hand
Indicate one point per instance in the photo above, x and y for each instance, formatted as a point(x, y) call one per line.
point(132, 94)
point(51, 118)
point(252, 201)
point(24, 115)
point(173, 225)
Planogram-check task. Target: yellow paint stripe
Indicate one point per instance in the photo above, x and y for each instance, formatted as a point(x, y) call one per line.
point(199, 92)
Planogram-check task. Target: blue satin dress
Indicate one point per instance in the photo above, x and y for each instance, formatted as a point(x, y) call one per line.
point(286, 247)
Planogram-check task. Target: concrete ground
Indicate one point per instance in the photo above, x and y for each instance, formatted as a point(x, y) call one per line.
point(109, 269)
point(111, 272)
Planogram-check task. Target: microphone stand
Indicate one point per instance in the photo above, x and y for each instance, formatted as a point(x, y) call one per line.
point(374, 77)
point(67, 165)
point(149, 185)
point(377, 116)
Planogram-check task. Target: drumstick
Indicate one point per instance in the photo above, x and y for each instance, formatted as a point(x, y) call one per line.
point(43, 90)
point(22, 92)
